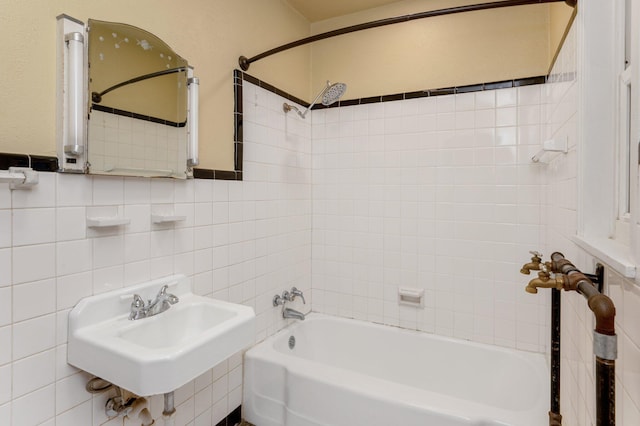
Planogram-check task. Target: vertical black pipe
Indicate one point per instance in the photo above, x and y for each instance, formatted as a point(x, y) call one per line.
point(555, 418)
point(605, 392)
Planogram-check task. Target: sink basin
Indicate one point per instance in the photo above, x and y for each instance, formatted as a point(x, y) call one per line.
point(155, 355)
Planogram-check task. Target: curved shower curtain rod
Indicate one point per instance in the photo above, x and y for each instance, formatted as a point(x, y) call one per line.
point(96, 97)
point(245, 62)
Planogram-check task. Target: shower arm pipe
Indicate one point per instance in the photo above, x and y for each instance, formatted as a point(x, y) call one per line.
point(245, 62)
point(303, 114)
point(97, 97)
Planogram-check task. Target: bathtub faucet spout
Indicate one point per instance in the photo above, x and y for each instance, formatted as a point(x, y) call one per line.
point(292, 313)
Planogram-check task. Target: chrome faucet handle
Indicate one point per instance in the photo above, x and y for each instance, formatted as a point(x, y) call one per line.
point(536, 253)
point(162, 294)
point(163, 291)
point(278, 300)
point(287, 296)
point(137, 307)
point(295, 293)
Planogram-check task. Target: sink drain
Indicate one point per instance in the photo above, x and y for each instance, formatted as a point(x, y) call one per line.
point(292, 342)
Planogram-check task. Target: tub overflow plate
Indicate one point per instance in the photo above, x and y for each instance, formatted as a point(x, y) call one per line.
point(292, 342)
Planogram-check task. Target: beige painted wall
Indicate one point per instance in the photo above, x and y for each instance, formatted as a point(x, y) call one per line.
point(211, 34)
point(435, 52)
point(559, 17)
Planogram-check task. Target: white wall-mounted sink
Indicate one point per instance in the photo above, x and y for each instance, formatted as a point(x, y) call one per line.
point(158, 354)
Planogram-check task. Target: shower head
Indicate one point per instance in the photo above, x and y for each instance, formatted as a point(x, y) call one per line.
point(330, 95)
point(333, 92)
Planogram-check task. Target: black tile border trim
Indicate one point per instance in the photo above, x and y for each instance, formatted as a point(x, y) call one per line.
point(519, 82)
point(50, 164)
point(137, 116)
point(273, 89)
point(234, 418)
point(40, 163)
point(238, 136)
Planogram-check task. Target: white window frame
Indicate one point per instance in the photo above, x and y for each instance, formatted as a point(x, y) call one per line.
point(623, 159)
point(634, 221)
point(601, 62)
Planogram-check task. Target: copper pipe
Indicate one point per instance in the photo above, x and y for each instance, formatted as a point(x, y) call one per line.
point(605, 341)
point(602, 307)
point(564, 266)
point(604, 311)
point(555, 419)
point(574, 279)
point(561, 265)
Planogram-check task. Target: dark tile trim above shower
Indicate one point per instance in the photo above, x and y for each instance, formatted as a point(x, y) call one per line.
point(268, 87)
point(439, 92)
point(239, 77)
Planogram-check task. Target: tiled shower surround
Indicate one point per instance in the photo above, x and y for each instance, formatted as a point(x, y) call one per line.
point(436, 193)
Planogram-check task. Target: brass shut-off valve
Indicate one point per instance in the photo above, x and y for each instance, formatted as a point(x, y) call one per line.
point(544, 280)
point(535, 264)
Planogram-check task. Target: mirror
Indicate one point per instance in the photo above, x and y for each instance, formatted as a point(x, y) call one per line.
point(138, 102)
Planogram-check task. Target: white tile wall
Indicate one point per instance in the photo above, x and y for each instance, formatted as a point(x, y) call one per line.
point(560, 216)
point(241, 241)
point(437, 194)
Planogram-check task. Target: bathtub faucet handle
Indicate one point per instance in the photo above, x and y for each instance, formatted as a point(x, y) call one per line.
point(295, 293)
point(279, 300)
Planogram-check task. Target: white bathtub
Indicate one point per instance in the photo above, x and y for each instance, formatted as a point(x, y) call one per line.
point(349, 372)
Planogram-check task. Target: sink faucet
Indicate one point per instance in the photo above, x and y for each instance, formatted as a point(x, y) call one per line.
point(161, 303)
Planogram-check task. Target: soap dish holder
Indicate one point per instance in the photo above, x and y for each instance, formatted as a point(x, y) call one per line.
point(167, 218)
point(411, 296)
point(104, 222)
